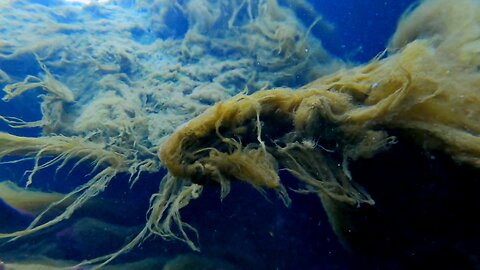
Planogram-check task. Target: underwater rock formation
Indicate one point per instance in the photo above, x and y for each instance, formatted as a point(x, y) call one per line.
point(424, 87)
point(193, 262)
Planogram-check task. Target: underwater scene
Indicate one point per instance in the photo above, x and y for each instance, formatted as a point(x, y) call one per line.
point(239, 134)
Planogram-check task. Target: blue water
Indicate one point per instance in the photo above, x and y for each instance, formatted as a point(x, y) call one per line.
point(363, 28)
point(244, 228)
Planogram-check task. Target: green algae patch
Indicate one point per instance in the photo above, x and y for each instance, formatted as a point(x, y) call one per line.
point(27, 201)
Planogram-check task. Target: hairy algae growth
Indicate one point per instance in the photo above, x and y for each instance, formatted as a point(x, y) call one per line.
point(428, 85)
point(115, 80)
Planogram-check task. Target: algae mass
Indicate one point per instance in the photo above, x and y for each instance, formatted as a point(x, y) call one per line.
point(134, 106)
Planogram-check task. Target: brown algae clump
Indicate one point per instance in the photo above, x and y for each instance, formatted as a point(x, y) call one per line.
point(424, 87)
